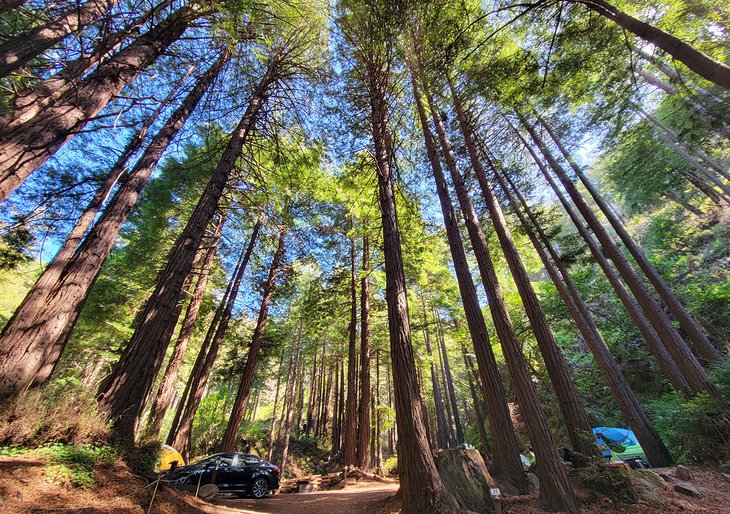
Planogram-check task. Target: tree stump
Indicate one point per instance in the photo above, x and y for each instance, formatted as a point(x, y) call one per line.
point(466, 475)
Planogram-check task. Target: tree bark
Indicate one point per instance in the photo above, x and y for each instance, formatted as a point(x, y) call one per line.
point(26, 148)
point(479, 414)
point(272, 430)
point(633, 413)
point(16, 52)
point(449, 377)
point(442, 433)
point(213, 342)
point(169, 378)
point(574, 415)
point(448, 414)
point(36, 340)
point(555, 492)
point(700, 63)
point(349, 430)
point(131, 377)
point(285, 430)
point(506, 464)
point(689, 365)
point(336, 427)
point(228, 444)
point(363, 444)
point(702, 344)
point(652, 339)
point(421, 487)
point(31, 101)
point(377, 442)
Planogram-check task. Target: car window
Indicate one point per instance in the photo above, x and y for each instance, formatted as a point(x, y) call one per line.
point(249, 460)
point(225, 460)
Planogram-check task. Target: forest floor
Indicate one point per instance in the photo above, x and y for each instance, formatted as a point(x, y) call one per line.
point(30, 485)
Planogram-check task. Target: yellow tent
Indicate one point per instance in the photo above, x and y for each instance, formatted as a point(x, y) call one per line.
point(168, 456)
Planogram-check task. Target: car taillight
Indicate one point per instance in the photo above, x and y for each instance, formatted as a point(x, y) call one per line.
point(277, 469)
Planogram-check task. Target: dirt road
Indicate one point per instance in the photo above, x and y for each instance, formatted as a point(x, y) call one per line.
point(356, 499)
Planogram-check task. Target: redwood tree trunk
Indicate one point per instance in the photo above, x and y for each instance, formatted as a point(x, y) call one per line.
point(336, 427)
point(272, 430)
point(16, 52)
point(131, 378)
point(442, 433)
point(169, 378)
point(228, 443)
point(363, 443)
point(683, 356)
point(700, 63)
point(37, 340)
point(506, 463)
point(26, 148)
point(447, 371)
point(555, 492)
point(282, 444)
point(633, 413)
point(653, 341)
point(349, 430)
point(702, 344)
point(29, 102)
point(574, 415)
point(421, 487)
point(211, 345)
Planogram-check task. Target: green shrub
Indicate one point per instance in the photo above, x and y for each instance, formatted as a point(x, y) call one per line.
point(390, 466)
point(694, 430)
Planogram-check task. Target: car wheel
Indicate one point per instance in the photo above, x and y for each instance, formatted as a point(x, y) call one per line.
point(259, 488)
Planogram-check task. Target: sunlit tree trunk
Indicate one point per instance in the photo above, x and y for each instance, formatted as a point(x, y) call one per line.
point(555, 491)
point(653, 341)
point(702, 344)
point(700, 63)
point(169, 377)
point(449, 377)
point(441, 433)
point(363, 444)
point(27, 147)
point(282, 443)
point(683, 356)
point(506, 464)
point(574, 415)
point(211, 345)
point(130, 380)
point(633, 413)
point(29, 102)
point(16, 52)
point(228, 444)
point(36, 340)
point(421, 487)
point(349, 430)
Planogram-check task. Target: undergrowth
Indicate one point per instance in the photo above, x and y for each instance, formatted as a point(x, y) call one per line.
point(57, 413)
point(68, 464)
point(610, 481)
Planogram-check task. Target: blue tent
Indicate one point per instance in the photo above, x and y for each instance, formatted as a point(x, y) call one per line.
point(621, 442)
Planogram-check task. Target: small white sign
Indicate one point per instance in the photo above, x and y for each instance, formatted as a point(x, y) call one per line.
point(494, 491)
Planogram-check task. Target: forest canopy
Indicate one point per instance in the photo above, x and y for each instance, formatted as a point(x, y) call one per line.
point(346, 234)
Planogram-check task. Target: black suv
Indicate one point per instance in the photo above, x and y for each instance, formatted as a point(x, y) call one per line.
point(240, 473)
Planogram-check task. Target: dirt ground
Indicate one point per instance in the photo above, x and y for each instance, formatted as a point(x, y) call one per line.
point(356, 499)
point(26, 487)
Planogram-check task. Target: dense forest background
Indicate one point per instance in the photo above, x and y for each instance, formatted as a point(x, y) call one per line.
point(215, 223)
